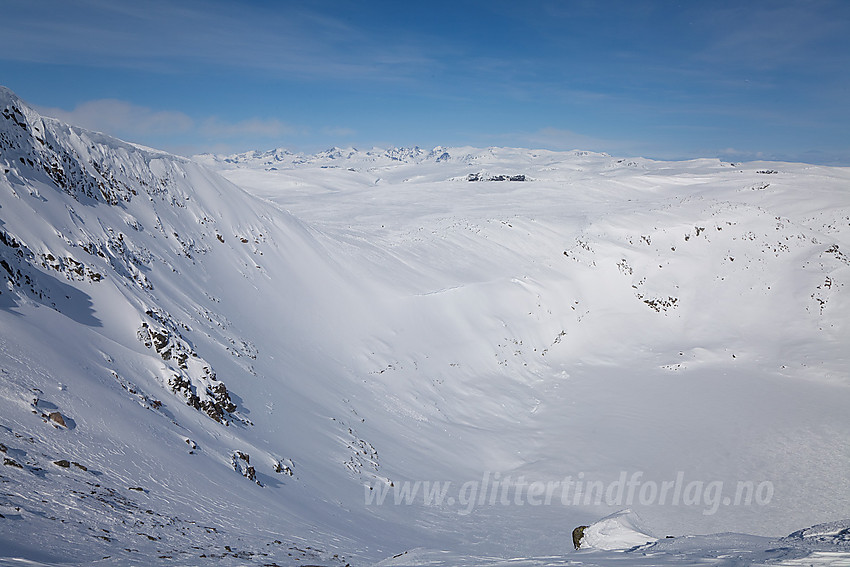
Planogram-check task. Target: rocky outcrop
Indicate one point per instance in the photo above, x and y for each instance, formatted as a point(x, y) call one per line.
point(191, 377)
point(241, 463)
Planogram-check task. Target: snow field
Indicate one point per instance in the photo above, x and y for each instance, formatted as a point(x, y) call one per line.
point(378, 320)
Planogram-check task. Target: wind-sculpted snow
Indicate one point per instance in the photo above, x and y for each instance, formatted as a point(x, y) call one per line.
point(408, 356)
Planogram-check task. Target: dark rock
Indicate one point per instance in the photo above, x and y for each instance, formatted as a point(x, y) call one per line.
point(281, 467)
point(241, 463)
point(578, 533)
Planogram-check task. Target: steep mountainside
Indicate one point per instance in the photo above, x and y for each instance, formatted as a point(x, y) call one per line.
point(175, 323)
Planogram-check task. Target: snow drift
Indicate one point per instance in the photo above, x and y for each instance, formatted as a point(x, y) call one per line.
point(619, 531)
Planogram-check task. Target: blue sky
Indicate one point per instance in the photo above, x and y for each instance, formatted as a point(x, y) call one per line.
point(737, 80)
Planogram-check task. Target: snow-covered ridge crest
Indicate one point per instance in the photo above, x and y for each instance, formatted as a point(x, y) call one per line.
point(71, 157)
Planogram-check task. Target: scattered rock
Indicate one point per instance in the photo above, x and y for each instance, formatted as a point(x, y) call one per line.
point(283, 466)
point(12, 463)
point(62, 463)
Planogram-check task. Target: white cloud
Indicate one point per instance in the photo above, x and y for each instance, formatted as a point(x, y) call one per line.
point(168, 129)
point(288, 40)
point(123, 119)
point(773, 35)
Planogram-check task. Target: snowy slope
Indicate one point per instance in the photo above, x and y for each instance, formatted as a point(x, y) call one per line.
point(606, 316)
point(259, 375)
point(175, 322)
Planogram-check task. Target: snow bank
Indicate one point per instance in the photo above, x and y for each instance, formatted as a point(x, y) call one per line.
point(619, 531)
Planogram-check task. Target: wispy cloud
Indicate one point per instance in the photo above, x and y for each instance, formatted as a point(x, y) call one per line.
point(773, 35)
point(169, 129)
point(123, 119)
point(284, 39)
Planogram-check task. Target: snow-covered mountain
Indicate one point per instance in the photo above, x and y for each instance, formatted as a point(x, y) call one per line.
point(410, 356)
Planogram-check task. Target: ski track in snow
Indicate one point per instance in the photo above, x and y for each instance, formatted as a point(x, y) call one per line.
point(246, 349)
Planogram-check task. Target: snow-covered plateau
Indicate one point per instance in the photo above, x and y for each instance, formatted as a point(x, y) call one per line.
point(447, 357)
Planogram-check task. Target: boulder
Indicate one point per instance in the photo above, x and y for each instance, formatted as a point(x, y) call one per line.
point(57, 418)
